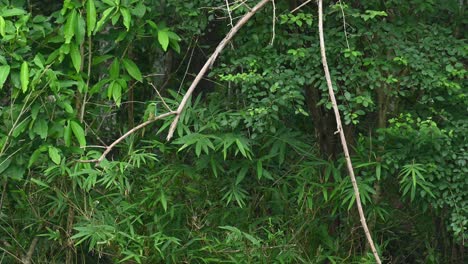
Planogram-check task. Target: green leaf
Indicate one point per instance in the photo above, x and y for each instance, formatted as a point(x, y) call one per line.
point(67, 134)
point(2, 26)
point(24, 76)
point(41, 128)
point(127, 18)
point(80, 30)
point(259, 169)
point(90, 16)
point(40, 183)
point(13, 12)
point(4, 72)
point(70, 25)
point(163, 39)
point(105, 16)
point(54, 155)
point(132, 69)
point(79, 133)
point(75, 56)
point(117, 93)
point(114, 69)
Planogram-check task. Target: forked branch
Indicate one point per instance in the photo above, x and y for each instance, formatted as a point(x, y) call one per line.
point(192, 87)
point(342, 136)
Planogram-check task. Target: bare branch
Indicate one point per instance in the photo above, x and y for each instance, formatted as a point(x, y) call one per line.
point(131, 131)
point(342, 136)
point(192, 87)
point(210, 62)
point(160, 97)
point(299, 7)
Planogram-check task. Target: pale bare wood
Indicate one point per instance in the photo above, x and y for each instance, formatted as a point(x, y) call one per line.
point(210, 62)
point(189, 92)
point(342, 136)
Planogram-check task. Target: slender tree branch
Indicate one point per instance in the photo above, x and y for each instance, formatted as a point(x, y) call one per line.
point(342, 136)
point(210, 62)
point(160, 97)
point(27, 259)
point(299, 7)
point(192, 87)
point(124, 136)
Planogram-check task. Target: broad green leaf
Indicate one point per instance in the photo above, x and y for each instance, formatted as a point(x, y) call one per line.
point(90, 16)
point(127, 18)
point(54, 155)
point(114, 69)
point(2, 26)
point(70, 26)
point(4, 72)
point(79, 133)
point(132, 69)
point(41, 128)
point(24, 76)
point(117, 93)
point(13, 12)
point(75, 56)
point(105, 16)
point(67, 134)
point(80, 30)
point(163, 39)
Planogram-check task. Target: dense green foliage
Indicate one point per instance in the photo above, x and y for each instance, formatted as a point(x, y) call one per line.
point(255, 172)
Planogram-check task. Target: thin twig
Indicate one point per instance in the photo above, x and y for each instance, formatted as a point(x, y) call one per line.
point(344, 24)
point(5, 184)
point(273, 23)
point(188, 66)
point(90, 57)
point(160, 97)
point(229, 12)
point(124, 136)
point(192, 87)
point(299, 7)
point(342, 136)
point(210, 62)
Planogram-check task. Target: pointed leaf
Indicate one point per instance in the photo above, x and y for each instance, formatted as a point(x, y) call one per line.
point(24, 76)
point(132, 69)
point(114, 69)
point(70, 25)
point(75, 56)
point(79, 133)
point(163, 39)
point(4, 72)
point(90, 16)
point(127, 18)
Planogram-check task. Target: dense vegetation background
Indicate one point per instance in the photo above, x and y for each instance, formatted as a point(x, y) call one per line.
point(254, 173)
